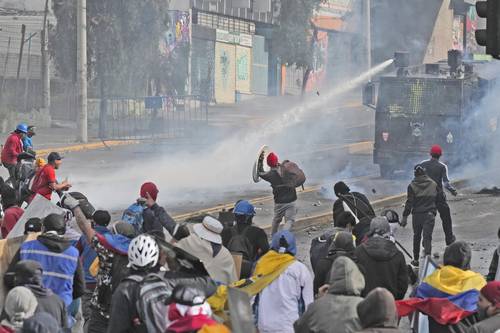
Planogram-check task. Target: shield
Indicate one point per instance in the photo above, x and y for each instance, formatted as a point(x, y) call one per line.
point(241, 311)
point(39, 207)
point(259, 163)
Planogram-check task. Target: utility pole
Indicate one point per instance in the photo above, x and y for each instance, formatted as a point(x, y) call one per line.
point(23, 35)
point(368, 34)
point(45, 69)
point(2, 86)
point(82, 69)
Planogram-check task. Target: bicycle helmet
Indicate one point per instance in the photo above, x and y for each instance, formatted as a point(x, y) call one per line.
point(143, 252)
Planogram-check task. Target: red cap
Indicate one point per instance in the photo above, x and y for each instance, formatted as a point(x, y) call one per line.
point(272, 160)
point(149, 188)
point(436, 150)
point(491, 292)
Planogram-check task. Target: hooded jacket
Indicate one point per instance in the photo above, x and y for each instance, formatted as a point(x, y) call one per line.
point(336, 311)
point(377, 313)
point(282, 193)
point(384, 264)
point(421, 198)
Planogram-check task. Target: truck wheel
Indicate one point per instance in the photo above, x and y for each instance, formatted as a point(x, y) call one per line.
point(386, 171)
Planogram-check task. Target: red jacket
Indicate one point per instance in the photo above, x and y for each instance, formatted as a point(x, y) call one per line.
point(13, 147)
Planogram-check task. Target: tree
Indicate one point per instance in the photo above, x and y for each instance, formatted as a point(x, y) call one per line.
point(293, 34)
point(122, 44)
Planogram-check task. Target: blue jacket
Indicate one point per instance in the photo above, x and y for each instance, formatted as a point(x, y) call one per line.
point(59, 268)
point(88, 254)
point(27, 143)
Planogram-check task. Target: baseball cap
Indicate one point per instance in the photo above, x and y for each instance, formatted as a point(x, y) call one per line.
point(54, 156)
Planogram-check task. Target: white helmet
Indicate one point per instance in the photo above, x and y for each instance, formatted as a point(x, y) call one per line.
point(143, 252)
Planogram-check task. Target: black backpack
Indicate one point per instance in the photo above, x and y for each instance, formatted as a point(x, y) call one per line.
point(239, 243)
point(153, 295)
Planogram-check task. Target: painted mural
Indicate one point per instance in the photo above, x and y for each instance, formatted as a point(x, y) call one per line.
point(225, 73)
point(243, 69)
point(177, 34)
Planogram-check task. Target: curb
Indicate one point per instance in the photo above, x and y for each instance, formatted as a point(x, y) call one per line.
point(86, 146)
point(305, 222)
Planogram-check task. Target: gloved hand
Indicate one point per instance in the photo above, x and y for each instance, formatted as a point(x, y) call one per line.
point(404, 221)
point(454, 192)
point(69, 202)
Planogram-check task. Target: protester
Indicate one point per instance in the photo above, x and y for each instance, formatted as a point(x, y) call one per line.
point(383, 263)
point(88, 256)
point(33, 225)
point(12, 212)
point(20, 305)
point(342, 246)
point(377, 313)
point(62, 269)
point(45, 182)
point(489, 307)
point(155, 218)
point(493, 272)
point(28, 139)
point(206, 244)
point(421, 203)
point(336, 311)
point(189, 312)
point(29, 274)
point(356, 202)
point(320, 246)
point(12, 148)
point(42, 322)
point(289, 290)
point(438, 171)
point(111, 248)
point(284, 195)
point(143, 258)
point(245, 238)
point(450, 295)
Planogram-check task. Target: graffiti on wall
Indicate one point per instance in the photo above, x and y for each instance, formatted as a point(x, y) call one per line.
point(225, 73)
point(243, 68)
point(177, 33)
point(471, 20)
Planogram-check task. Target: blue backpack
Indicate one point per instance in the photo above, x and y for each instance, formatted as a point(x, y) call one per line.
point(133, 216)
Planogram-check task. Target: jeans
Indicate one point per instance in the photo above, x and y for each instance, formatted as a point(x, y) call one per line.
point(423, 223)
point(284, 210)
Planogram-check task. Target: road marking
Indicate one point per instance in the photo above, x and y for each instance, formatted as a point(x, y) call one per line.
point(86, 146)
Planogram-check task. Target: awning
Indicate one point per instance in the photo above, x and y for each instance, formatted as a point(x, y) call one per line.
point(328, 23)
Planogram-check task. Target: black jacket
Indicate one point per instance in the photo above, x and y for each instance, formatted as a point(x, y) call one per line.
point(123, 312)
point(322, 271)
point(492, 271)
point(357, 202)
point(156, 218)
point(384, 266)
point(438, 171)
point(421, 197)
point(255, 235)
point(281, 192)
point(55, 244)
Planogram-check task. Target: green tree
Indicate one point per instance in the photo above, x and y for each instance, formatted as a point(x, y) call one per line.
point(122, 44)
point(293, 34)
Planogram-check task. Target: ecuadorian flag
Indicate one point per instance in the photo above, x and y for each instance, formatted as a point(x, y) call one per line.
point(448, 295)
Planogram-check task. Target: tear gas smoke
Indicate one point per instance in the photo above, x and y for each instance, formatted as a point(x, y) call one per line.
point(185, 177)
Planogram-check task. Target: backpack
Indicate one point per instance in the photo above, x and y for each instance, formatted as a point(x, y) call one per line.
point(239, 243)
point(152, 299)
point(133, 216)
point(292, 176)
point(319, 248)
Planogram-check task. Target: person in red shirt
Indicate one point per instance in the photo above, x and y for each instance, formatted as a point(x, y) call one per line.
point(12, 148)
point(12, 212)
point(45, 181)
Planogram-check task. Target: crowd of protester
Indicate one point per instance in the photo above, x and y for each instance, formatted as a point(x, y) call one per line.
point(149, 273)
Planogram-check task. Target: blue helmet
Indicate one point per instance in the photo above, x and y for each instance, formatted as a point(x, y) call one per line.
point(244, 207)
point(23, 128)
point(285, 245)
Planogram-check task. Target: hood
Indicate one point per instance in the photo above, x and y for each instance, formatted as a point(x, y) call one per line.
point(54, 243)
point(422, 182)
point(458, 254)
point(380, 249)
point(38, 290)
point(346, 278)
point(284, 241)
point(378, 310)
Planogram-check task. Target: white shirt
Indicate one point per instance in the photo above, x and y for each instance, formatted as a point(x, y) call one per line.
point(279, 301)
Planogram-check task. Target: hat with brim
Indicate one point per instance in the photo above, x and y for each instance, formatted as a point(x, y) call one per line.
point(209, 229)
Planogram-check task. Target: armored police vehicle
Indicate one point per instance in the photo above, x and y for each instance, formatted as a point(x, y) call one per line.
point(432, 104)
